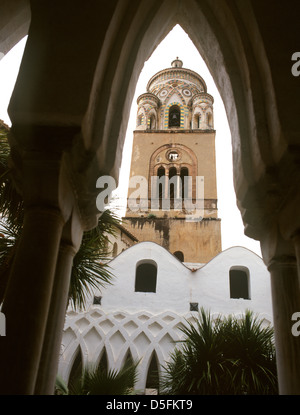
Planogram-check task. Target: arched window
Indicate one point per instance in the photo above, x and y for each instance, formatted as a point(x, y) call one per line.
point(103, 364)
point(128, 358)
point(173, 155)
point(174, 116)
point(145, 277)
point(239, 283)
point(184, 172)
point(209, 120)
point(161, 185)
point(172, 185)
point(152, 122)
point(197, 120)
point(179, 255)
point(76, 370)
point(152, 381)
point(140, 120)
point(129, 362)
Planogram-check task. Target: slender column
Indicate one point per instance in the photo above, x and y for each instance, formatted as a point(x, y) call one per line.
point(165, 191)
point(178, 196)
point(286, 301)
point(45, 382)
point(27, 299)
point(279, 256)
point(48, 368)
point(296, 241)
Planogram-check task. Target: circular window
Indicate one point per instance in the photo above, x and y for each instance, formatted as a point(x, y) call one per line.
point(186, 92)
point(163, 93)
point(173, 155)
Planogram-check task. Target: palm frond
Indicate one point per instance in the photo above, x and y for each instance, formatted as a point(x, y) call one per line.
point(11, 202)
point(90, 269)
point(61, 387)
point(225, 356)
point(9, 235)
point(98, 381)
point(89, 266)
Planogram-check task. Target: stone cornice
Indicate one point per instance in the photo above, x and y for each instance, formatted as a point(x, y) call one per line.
point(177, 70)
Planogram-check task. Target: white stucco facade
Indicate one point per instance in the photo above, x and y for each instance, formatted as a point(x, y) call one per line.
point(146, 322)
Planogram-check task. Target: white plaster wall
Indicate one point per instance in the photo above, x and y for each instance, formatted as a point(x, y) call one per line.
point(142, 333)
point(150, 322)
point(177, 285)
point(211, 284)
point(172, 288)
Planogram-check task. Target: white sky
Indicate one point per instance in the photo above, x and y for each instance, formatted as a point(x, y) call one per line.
point(177, 43)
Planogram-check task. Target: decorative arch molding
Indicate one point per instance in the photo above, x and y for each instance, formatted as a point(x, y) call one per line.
point(154, 165)
point(197, 117)
point(155, 372)
point(248, 90)
point(141, 117)
point(175, 91)
point(236, 39)
point(183, 113)
point(69, 355)
point(69, 365)
point(174, 146)
point(127, 354)
point(152, 119)
point(76, 368)
point(102, 359)
point(209, 118)
point(239, 64)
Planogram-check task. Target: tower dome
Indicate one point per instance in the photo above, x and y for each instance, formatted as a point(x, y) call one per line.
point(177, 63)
point(176, 98)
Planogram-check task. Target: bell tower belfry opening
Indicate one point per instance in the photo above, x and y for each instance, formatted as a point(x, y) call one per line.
point(173, 165)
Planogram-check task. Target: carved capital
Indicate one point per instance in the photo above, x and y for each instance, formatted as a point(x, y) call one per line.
point(276, 250)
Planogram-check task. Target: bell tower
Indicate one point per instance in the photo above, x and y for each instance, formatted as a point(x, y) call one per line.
point(172, 195)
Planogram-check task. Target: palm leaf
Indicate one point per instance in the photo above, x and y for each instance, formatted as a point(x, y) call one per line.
point(98, 381)
point(225, 356)
point(61, 387)
point(11, 202)
point(90, 269)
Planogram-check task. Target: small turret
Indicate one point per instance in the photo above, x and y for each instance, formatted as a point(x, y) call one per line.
point(176, 98)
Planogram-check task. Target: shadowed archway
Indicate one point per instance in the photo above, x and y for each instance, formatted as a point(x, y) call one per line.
point(65, 134)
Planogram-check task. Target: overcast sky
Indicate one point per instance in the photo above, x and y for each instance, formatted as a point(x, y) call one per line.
point(177, 43)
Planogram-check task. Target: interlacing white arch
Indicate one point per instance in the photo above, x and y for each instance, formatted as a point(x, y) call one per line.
point(116, 333)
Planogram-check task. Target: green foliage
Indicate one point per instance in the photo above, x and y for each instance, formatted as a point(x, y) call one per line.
point(151, 216)
point(11, 202)
point(89, 269)
point(98, 381)
point(61, 387)
point(226, 356)
point(8, 244)
point(11, 213)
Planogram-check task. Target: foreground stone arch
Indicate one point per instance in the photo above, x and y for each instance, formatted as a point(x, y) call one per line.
point(79, 69)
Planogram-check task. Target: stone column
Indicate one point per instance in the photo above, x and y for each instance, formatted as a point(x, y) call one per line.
point(280, 258)
point(286, 301)
point(27, 298)
point(296, 240)
point(70, 243)
point(165, 200)
point(178, 196)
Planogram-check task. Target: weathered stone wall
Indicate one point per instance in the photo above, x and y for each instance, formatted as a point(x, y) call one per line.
point(199, 241)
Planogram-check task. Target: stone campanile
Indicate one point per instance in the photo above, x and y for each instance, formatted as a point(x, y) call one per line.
point(173, 167)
